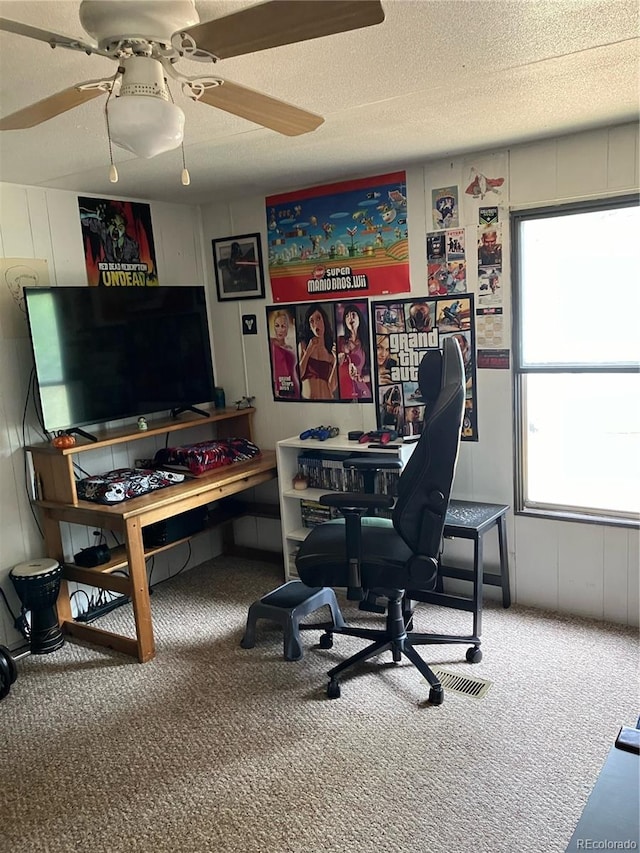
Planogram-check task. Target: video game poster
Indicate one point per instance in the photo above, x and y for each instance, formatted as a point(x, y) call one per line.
point(342, 240)
point(320, 352)
point(404, 330)
point(118, 243)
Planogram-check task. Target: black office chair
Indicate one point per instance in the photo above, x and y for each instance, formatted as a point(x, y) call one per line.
point(393, 558)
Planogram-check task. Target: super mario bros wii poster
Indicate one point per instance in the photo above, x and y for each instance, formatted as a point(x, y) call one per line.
point(342, 240)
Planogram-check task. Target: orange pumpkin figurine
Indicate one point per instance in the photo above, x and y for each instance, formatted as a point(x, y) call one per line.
point(63, 440)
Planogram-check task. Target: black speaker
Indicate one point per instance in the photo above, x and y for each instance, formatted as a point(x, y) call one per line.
point(178, 527)
point(94, 556)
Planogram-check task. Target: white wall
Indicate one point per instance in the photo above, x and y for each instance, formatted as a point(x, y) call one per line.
point(589, 569)
point(44, 224)
point(586, 569)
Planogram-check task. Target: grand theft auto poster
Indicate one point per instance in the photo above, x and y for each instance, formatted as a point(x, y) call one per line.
point(404, 329)
point(342, 240)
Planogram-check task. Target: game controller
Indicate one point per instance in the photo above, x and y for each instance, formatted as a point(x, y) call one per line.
point(382, 436)
point(321, 433)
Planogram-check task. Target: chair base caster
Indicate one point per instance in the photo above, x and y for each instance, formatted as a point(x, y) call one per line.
point(474, 655)
point(333, 689)
point(326, 641)
point(436, 695)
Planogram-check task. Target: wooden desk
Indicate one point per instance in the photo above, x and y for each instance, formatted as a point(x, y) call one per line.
point(128, 518)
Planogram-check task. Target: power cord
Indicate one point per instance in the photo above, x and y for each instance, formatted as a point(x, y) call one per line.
point(20, 622)
point(153, 565)
point(106, 600)
point(44, 434)
point(7, 605)
point(30, 392)
point(185, 564)
point(172, 576)
point(100, 601)
point(81, 470)
point(88, 600)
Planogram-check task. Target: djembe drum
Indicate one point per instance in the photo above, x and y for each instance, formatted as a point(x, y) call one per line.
point(37, 584)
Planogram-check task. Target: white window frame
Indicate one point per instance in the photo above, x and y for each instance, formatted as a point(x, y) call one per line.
point(521, 371)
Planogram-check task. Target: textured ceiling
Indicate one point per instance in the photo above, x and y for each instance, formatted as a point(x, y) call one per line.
point(434, 79)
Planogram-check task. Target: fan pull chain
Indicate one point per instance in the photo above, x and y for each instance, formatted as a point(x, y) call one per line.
point(185, 177)
point(113, 172)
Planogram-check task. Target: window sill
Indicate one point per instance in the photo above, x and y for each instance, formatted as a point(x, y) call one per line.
point(581, 517)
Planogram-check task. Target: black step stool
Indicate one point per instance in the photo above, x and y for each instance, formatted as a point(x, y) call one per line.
point(287, 605)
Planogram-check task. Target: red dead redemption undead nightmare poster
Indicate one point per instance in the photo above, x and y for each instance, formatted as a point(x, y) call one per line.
point(118, 243)
point(341, 240)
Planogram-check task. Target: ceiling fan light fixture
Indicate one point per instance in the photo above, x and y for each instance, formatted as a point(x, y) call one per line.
point(145, 125)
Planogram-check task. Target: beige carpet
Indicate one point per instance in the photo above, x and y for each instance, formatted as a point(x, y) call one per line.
point(210, 747)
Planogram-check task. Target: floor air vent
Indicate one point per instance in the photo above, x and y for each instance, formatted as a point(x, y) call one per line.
point(466, 685)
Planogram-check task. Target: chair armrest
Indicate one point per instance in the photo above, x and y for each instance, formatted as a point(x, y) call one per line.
point(356, 500)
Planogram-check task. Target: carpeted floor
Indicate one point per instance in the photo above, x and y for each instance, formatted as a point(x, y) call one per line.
point(211, 747)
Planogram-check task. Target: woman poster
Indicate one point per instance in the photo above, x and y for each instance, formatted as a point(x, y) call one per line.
point(284, 361)
point(317, 355)
point(354, 371)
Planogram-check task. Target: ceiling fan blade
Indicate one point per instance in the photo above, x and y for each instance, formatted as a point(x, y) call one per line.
point(280, 22)
point(54, 105)
point(54, 39)
point(261, 109)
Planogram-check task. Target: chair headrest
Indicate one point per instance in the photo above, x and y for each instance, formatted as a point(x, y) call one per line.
point(437, 369)
point(452, 362)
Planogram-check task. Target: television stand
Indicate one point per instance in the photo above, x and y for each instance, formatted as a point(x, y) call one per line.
point(181, 409)
point(82, 432)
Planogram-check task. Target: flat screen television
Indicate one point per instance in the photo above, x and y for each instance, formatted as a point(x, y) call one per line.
point(105, 353)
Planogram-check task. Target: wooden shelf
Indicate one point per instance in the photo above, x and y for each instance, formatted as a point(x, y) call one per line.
point(119, 435)
point(53, 466)
point(101, 576)
point(299, 533)
point(305, 494)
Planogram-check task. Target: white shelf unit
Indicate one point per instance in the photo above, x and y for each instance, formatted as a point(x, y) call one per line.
point(287, 453)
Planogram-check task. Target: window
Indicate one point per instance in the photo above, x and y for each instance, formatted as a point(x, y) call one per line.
point(576, 275)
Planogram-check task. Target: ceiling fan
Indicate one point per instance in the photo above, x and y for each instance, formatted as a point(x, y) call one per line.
point(147, 39)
